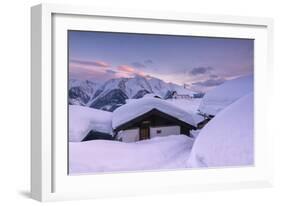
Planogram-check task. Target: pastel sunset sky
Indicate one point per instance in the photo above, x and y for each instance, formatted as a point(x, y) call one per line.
point(199, 62)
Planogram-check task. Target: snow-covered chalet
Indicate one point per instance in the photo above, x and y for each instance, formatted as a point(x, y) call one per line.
point(146, 118)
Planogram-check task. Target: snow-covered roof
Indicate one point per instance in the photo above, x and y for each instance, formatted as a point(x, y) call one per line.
point(141, 106)
point(190, 106)
point(225, 94)
point(84, 119)
point(227, 140)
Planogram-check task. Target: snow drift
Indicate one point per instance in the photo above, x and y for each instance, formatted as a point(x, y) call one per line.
point(225, 94)
point(84, 119)
point(227, 140)
point(107, 156)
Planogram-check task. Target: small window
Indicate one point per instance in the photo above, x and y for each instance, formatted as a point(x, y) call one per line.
point(158, 131)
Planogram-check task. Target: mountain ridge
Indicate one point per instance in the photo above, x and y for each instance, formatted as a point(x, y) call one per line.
point(114, 92)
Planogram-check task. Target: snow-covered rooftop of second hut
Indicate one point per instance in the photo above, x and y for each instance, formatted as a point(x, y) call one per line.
point(133, 109)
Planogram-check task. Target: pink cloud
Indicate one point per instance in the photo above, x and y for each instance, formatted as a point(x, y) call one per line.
point(90, 64)
point(93, 73)
point(101, 70)
point(126, 68)
point(130, 70)
point(140, 73)
point(102, 64)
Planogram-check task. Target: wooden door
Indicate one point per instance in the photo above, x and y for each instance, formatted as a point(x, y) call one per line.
point(144, 131)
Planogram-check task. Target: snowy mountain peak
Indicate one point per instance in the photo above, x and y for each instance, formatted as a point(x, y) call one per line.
point(81, 91)
point(114, 92)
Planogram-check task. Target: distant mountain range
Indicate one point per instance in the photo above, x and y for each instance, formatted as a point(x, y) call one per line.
point(113, 93)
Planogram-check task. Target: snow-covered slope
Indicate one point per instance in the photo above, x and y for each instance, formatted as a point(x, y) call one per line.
point(107, 156)
point(84, 119)
point(227, 140)
point(225, 94)
point(141, 106)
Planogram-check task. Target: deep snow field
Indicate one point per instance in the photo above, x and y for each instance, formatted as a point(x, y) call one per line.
point(226, 140)
point(169, 152)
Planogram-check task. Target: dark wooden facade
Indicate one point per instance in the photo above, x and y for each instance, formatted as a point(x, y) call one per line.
point(154, 118)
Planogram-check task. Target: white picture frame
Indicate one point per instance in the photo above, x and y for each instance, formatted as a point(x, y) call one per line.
point(49, 179)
